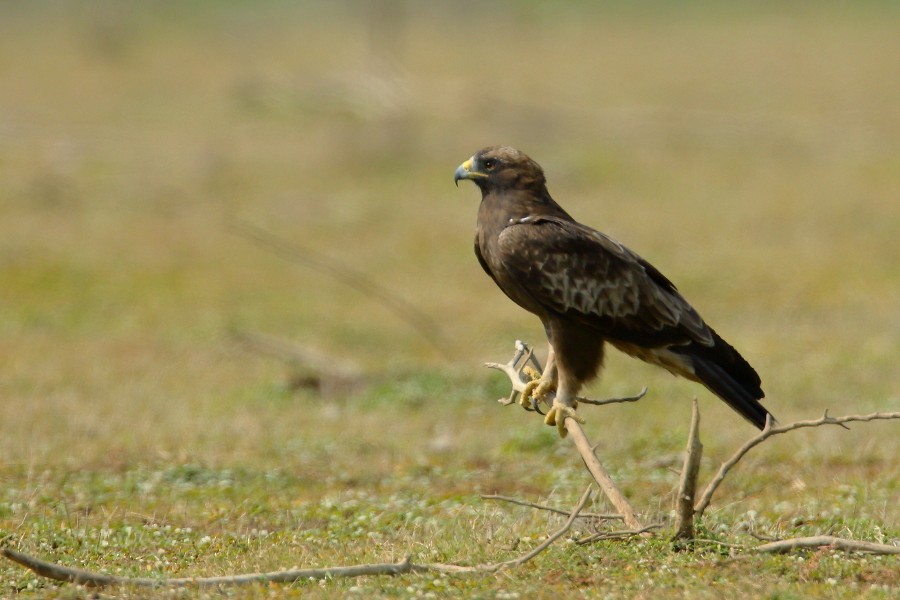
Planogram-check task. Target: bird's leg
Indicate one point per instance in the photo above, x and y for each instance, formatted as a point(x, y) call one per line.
point(540, 385)
point(564, 405)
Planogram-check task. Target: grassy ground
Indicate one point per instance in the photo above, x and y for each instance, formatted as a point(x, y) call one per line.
point(751, 154)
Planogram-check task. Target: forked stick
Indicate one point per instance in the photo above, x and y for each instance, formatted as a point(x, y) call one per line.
point(687, 487)
point(514, 371)
point(768, 432)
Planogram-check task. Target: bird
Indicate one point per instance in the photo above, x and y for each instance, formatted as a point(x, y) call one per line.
point(590, 290)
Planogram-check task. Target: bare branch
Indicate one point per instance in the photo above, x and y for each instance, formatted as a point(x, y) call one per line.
point(90, 579)
point(687, 487)
point(513, 370)
point(558, 511)
point(827, 541)
point(819, 541)
point(769, 431)
point(634, 398)
point(87, 578)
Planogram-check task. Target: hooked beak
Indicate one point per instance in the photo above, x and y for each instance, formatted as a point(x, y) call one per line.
point(464, 171)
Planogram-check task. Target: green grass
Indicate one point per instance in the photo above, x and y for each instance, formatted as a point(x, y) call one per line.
point(750, 154)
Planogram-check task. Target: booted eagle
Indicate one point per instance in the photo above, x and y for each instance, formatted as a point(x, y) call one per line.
point(588, 289)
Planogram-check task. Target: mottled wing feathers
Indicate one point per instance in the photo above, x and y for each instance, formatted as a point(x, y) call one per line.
point(578, 272)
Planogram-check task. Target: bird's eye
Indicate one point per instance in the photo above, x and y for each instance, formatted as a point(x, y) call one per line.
point(489, 164)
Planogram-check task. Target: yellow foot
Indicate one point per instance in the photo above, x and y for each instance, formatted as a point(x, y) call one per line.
point(536, 392)
point(558, 414)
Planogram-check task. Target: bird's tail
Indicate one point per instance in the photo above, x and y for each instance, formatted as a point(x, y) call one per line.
point(726, 374)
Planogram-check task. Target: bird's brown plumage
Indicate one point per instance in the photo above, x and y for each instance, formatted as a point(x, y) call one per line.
point(588, 289)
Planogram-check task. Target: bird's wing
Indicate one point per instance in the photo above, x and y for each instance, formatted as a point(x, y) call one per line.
point(578, 272)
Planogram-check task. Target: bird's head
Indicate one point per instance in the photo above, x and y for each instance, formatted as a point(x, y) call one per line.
point(501, 168)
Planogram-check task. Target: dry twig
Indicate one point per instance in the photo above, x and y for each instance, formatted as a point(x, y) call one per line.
point(769, 431)
point(513, 370)
point(818, 541)
point(605, 401)
point(827, 541)
point(89, 579)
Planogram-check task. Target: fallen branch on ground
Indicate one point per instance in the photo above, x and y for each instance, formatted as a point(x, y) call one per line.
point(513, 370)
point(826, 541)
point(769, 431)
point(818, 541)
point(90, 579)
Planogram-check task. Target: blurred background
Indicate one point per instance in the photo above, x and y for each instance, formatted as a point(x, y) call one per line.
point(750, 151)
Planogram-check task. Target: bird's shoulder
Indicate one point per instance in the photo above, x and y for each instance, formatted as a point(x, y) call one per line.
point(578, 270)
point(543, 234)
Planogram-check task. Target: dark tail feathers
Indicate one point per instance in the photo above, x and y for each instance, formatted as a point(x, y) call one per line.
point(725, 372)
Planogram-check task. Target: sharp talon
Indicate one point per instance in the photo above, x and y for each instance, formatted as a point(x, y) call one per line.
point(536, 407)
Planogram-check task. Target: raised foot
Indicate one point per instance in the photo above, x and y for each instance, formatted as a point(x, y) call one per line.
point(558, 414)
point(536, 391)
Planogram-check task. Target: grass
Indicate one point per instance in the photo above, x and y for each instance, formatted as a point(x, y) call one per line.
point(750, 154)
